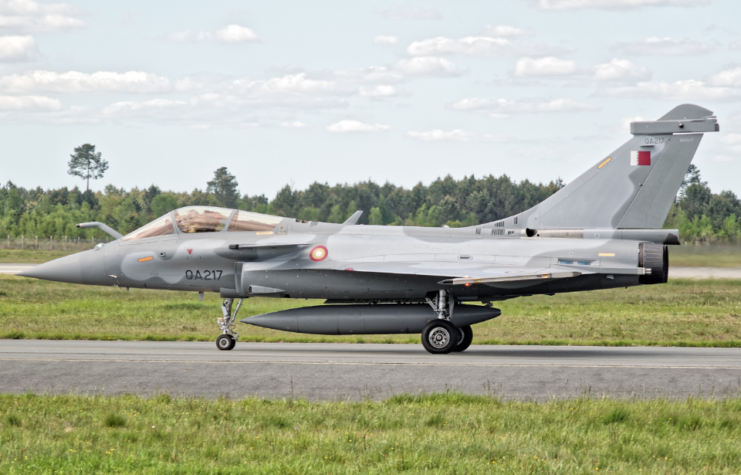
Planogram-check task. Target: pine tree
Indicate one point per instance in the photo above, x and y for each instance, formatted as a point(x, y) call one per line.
point(224, 188)
point(87, 163)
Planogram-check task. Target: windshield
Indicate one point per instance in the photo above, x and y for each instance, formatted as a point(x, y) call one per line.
point(248, 221)
point(160, 227)
point(201, 219)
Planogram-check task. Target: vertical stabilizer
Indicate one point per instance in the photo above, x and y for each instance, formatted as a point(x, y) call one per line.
point(635, 185)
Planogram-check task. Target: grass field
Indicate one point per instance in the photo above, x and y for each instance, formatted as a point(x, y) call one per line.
point(444, 433)
point(30, 256)
point(705, 256)
point(682, 312)
point(679, 256)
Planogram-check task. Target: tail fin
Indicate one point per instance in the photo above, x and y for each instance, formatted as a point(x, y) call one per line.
point(633, 187)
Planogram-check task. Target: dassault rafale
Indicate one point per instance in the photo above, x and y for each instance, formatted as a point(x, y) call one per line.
point(601, 231)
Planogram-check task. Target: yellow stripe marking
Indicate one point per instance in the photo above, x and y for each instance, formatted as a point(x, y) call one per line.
point(264, 233)
point(607, 254)
point(144, 259)
point(604, 163)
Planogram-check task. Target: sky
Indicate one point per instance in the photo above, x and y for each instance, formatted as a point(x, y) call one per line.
point(292, 92)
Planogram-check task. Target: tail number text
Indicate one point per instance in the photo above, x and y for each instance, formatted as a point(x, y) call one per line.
point(206, 275)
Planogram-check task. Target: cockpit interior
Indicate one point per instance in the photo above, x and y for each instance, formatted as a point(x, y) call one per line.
point(205, 219)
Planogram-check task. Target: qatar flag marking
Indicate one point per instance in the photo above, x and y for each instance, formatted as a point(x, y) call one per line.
point(640, 159)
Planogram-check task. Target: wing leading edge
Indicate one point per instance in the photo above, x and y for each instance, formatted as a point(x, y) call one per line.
point(456, 273)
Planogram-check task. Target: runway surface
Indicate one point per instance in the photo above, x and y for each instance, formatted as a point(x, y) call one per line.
point(674, 272)
point(357, 371)
point(14, 268)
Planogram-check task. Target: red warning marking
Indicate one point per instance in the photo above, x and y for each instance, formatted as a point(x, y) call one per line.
point(190, 251)
point(319, 253)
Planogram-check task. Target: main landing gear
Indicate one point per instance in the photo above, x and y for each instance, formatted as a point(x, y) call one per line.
point(441, 336)
point(229, 338)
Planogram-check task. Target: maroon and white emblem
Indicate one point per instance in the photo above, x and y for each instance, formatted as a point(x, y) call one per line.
point(640, 159)
point(319, 253)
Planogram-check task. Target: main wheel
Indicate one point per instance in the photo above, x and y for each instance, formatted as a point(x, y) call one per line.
point(225, 342)
point(466, 339)
point(440, 337)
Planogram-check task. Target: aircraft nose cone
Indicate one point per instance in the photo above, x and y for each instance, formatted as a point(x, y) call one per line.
point(65, 269)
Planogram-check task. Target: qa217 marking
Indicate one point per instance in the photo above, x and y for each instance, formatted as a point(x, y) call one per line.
point(207, 275)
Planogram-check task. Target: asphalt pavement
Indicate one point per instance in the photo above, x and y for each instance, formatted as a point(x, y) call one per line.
point(14, 268)
point(363, 371)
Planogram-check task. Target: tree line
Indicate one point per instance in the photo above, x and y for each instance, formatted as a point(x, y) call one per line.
point(701, 215)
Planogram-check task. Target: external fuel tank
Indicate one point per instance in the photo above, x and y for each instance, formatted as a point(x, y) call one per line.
point(366, 319)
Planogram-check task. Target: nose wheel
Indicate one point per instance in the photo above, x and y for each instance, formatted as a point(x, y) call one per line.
point(228, 339)
point(225, 342)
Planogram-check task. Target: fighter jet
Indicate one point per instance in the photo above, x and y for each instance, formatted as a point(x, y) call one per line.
point(601, 231)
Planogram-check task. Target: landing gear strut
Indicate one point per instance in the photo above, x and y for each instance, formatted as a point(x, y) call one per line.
point(441, 336)
point(229, 338)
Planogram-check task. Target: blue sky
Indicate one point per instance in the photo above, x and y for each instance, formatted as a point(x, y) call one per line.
point(289, 92)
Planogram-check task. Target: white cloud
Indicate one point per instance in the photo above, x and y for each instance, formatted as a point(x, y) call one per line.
point(152, 107)
point(291, 91)
point(28, 15)
point(500, 108)
point(548, 66)
point(345, 126)
point(731, 139)
point(188, 35)
point(76, 82)
point(228, 34)
point(455, 135)
point(235, 34)
point(617, 71)
point(369, 75)
point(655, 46)
point(29, 103)
point(503, 31)
point(427, 66)
point(378, 91)
point(485, 46)
point(621, 70)
point(385, 40)
point(735, 46)
point(730, 148)
point(727, 78)
point(294, 124)
point(688, 90)
point(17, 48)
point(614, 4)
point(412, 13)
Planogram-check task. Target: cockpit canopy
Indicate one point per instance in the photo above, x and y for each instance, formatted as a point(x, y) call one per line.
point(205, 219)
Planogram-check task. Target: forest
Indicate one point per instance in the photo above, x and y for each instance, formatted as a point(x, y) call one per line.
point(700, 215)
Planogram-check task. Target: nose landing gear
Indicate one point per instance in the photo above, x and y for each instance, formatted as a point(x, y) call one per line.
point(229, 338)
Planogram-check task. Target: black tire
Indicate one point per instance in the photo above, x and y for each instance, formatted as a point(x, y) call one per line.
point(466, 340)
point(225, 342)
point(439, 337)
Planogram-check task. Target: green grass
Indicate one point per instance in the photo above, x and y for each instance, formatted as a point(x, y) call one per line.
point(30, 256)
point(680, 313)
point(705, 256)
point(440, 433)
